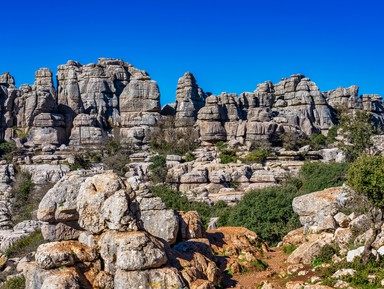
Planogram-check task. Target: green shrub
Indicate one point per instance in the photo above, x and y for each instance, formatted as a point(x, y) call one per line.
point(366, 176)
point(27, 197)
point(176, 201)
point(288, 249)
point(220, 145)
point(325, 255)
point(360, 278)
point(25, 245)
point(256, 156)
point(158, 169)
point(22, 187)
point(318, 141)
point(80, 162)
point(268, 212)
point(228, 156)
point(233, 184)
point(167, 139)
point(317, 176)
point(332, 134)
point(17, 282)
point(189, 157)
point(260, 265)
point(357, 128)
point(293, 141)
point(8, 150)
point(117, 162)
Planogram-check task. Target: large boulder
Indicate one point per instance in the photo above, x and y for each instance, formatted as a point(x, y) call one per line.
point(65, 253)
point(104, 202)
point(164, 278)
point(311, 205)
point(131, 251)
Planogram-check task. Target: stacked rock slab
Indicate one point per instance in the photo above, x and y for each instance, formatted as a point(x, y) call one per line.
point(294, 104)
point(112, 94)
point(139, 108)
point(210, 121)
point(111, 98)
point(190, 98)
point(8, 93)
point(92, 104)
point(116, 246)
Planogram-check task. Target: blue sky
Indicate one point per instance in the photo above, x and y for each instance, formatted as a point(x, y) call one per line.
point(228, 45)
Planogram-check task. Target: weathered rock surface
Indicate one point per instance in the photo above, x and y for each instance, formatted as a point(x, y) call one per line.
point(131, 251)
point(104, 202)
point(118, 246)
point(190, 98)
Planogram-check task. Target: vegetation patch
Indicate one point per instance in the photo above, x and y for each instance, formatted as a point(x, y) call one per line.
point(158, 169)
point(288, 249)
point(258, 155)
point(268, 212)
point(17, 282)
point(317, 176)
point(176, 201)
point(168, 140)
point(366, 176)
point(25, 245)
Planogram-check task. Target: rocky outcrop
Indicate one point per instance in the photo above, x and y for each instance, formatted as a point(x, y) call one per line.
point(190, 98)
point(90, 101)
point(210, 121)
point(122, 240)
point(111, 98)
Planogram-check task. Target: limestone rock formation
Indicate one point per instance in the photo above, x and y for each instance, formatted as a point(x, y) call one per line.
point(96, 102)
point(190, 98)
point(116, 246)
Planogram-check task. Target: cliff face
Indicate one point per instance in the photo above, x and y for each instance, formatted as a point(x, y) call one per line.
point(111, 98)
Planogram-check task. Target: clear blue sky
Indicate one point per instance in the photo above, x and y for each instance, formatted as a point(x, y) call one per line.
point(229, 45)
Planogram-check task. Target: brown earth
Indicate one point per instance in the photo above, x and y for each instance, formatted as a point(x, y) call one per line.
point(276, 273)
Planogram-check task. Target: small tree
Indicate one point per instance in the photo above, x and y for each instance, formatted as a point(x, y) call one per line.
point(357, 128)
point(366, 176)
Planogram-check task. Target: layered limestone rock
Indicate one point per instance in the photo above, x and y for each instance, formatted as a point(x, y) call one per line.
point(190, 98)
point(92, 103)
point(117, 246)
point(97, 98)
point(111, 98)
point(210, 121)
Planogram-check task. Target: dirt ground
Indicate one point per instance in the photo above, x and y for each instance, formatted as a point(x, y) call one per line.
point(275, 273)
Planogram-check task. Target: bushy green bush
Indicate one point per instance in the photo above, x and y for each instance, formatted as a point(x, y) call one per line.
point(366, 176)
point(325, 255)
point(158, 169)
point(17, 282)
point(228, 156)
point(268, 212)
point(318, 141)
point(258, 155)
point(332, 134)
point(360, 278)
point(357, 128)
point(80, 162)
point(8, 150)
point(189, 157)
point(176, 201)
point(27, 196)
point(316, 176)
point(220, 145)
point(116, 156)
point(288, 249)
